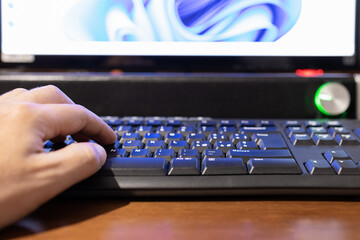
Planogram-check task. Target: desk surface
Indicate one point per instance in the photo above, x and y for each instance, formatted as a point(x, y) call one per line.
point(240, 218)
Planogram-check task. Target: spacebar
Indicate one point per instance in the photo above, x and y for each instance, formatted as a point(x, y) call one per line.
point(122, 166)
point(233, 153)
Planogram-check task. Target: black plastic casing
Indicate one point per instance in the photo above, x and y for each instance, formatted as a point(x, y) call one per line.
point(169, 94)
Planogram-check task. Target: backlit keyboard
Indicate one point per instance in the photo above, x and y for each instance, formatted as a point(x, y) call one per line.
point(204, 156)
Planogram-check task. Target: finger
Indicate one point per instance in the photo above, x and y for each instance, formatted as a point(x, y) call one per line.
point(13, 94)
point(63, 168)
point(46, 94)
point(64, 119)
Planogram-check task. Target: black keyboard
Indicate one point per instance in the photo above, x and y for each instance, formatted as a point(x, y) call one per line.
point(156, 156)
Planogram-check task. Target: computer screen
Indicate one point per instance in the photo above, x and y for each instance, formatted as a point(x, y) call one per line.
point(235, 31)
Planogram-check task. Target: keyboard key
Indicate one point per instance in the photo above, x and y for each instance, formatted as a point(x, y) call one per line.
point(247, 145)
point(267, 123)
point(154, 122)
point(201, 146)
point(164, 130)
point(258, 130)
point(223, 166)
point(330, 124)
point(192, 153)
point(197, 119)
point(129, 145)
point(247, 123)
point(119, 166)
point(195, 137)
point(323, 139)
point(269, 141)
point(48, 144)
point(142, 130)
point(140, 153)
point(273, 166)
point(312, 123)
point(208, 123)
point(228, 131)
point(173, 137)
point(208, 153)
point(345, 167)
point(128, 118)
point(112, 151)
point(346, 139)
point(155, 145)
point(294, 130)
point(151, 137)
point(129, 136)
point(224, 146)
point(174, 122)
point(186, 130)
point(237, 137)
point(227, 123)
point(156, 118)
point(183, 119)
point(178, 145)
point(357, 132)
point(331, 155)
point(114, 122)
point(168, 154)
point(233, 153)
point(338, 130)
point(134, 122)
point(301, 139)
point(206, 130)
point(121, 130)
point(316, 130)
point(184, 166)
point(46, 150)
point(319, 167)
point(214, 137)
point(292, 123)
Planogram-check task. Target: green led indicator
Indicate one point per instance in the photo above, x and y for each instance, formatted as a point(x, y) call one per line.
point(319, 96)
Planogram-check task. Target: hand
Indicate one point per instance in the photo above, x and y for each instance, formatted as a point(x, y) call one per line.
point(29, 177)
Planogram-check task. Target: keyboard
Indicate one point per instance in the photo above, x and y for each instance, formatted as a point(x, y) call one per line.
point(162, 156)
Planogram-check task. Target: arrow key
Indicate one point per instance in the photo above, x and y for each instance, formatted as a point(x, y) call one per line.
point(319, 167)
point(343, 167)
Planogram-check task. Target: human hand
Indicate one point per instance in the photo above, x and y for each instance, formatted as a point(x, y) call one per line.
point(29, 177)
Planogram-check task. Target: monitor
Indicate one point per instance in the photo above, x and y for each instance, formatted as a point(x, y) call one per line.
point(180, 35)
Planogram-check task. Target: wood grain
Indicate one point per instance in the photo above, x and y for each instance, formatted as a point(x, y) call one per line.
point(257, 218)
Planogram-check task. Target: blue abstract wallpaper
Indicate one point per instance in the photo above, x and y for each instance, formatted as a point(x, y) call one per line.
point(181, 20)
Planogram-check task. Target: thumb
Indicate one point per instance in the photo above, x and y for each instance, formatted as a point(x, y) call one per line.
point(67, 166)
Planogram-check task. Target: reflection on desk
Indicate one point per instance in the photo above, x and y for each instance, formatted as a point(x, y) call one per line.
point(241, 218)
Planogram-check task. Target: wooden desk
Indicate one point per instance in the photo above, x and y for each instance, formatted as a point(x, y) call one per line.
point(241, 218)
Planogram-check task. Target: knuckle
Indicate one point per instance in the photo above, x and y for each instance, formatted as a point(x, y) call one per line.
point(19, 90)
point(56, 94)
point(29, 113)
point(22, 110)
point(52, 89)
point(23, 114)
point(13, 93)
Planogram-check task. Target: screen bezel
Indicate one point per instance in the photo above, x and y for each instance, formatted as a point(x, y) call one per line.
point(194, 63)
